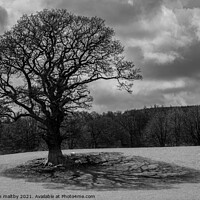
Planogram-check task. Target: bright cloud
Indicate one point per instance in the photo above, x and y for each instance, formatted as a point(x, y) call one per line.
point(170, 34)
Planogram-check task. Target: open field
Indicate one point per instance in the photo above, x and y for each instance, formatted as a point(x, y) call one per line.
point(183, 156)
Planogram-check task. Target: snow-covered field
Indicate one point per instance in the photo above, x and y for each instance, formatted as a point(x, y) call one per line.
point(183, 156)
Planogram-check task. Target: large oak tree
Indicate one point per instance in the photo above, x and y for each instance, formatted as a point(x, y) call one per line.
point(47, 61)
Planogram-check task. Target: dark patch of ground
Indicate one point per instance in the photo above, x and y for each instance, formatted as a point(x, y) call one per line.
point(105, 171)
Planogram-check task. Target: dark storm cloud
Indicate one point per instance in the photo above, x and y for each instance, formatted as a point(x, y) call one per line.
point(187, 66)
point(3, 18)
point(129, 19)
point(192, 4)
point(115, 12)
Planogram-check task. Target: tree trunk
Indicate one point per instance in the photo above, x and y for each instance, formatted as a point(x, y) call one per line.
point(54, 141)
point(131, 139)
point(55, 155)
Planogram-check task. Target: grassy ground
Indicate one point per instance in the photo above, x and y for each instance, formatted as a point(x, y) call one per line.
point(182, 156)
point(106, 171)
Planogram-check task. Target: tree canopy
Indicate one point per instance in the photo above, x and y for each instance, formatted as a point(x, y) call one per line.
point(48, 59)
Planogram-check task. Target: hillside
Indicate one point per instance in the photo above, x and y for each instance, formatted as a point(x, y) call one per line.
point(147, 127)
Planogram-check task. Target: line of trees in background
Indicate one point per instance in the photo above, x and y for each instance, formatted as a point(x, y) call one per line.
point(148, 127)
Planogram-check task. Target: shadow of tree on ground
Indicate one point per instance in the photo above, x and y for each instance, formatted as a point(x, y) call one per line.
point(106, 171)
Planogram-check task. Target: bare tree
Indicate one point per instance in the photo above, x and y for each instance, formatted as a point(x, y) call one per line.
point(47, 61)
point(133, 123)
point(192, 125)
point(72, 129)
point(157, 128)
point(175, 117)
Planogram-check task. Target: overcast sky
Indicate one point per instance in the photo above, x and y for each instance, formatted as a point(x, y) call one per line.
point(162, 38)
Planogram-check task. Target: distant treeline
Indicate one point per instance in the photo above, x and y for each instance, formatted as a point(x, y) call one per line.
point(148, 127)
